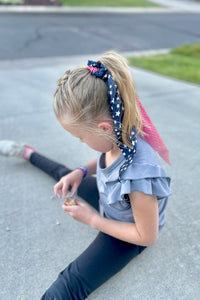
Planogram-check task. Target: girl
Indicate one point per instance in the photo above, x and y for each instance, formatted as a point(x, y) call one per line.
point(98, 105)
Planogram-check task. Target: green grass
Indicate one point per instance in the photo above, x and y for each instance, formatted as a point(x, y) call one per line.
point(117, 3)
point(11, 1)
point(181, 63)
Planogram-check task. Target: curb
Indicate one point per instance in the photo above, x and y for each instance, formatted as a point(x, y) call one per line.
point(26, 63)
point(91, 10)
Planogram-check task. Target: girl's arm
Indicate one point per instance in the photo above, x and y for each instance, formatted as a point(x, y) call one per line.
point(145, 230)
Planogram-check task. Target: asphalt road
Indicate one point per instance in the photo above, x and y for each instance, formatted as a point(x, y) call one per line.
point(50, 35)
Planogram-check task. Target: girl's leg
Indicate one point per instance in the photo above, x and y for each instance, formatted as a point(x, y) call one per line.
point(100, 261)
point(49, 166)
point(87, 189)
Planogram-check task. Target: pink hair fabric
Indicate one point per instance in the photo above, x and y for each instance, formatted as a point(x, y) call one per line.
point(152, 136)
point(93, 69)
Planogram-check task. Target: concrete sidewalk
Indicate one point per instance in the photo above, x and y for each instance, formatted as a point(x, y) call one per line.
point(38, 240)
point(178, 4)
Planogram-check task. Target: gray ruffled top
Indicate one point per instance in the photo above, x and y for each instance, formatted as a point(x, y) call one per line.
point(144, 175)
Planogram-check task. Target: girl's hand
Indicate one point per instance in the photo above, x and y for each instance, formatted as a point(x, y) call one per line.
point(72, 179)
point(80, 212)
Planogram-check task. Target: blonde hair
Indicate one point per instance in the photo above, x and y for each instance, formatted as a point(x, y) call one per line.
point(85, 96)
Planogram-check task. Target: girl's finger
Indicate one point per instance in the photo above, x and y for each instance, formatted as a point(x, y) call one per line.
point(67, 209)
point(58, 184)
point(73, 191)
point(57, 188)
point(59, 195)
point(55, 191)
point(65, 189)
point(64, 207)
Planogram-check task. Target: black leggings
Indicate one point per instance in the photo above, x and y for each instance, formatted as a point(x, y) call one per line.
point(100, 261)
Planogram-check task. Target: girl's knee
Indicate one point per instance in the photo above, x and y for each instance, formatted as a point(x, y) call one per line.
point(68, 286)
point(58, 290)
point(55, 292)
point(48, 296)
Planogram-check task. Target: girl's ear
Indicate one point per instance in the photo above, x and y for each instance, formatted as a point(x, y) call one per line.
point(106, 127)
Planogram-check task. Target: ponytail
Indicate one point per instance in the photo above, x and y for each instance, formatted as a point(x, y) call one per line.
point(118, 66)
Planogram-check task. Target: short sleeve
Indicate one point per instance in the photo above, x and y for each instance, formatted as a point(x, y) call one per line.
point(151, 186)
point(149, 179)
